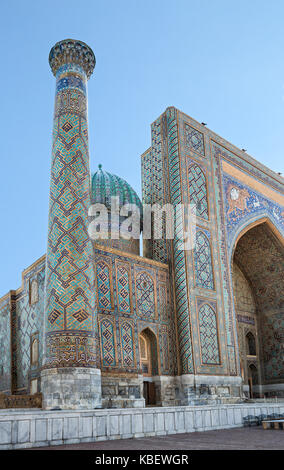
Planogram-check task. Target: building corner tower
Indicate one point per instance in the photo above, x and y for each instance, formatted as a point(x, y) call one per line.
point(70, 376)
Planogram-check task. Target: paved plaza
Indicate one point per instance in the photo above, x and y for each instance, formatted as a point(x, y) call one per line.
point(249, 438)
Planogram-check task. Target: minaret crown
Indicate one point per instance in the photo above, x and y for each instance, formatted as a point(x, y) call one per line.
point(71, 51)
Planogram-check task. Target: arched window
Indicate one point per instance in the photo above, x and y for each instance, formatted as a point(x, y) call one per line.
point(251, 346)
point(148, 352)
point(198, 191)
point(145, 355)
point(203, 262)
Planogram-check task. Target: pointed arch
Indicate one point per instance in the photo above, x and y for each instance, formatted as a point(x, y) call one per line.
point(254, 223)
point(258, 252)
point(148, 346)
point(250, 344)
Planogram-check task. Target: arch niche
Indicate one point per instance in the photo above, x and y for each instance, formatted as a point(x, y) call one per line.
point(149, 364)
point(258, 281)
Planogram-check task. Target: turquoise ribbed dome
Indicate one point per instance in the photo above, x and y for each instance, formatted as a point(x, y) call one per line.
point(105, 185)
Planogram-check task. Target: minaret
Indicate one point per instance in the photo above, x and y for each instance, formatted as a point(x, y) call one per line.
point(70, 375)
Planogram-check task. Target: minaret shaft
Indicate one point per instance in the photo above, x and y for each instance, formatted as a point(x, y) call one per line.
point(70, 311)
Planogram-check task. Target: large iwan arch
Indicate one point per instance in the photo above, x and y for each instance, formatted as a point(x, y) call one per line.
point(258, 273)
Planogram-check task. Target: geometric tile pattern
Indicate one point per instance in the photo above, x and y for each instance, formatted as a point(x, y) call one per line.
point(194, 139)
point(103, 282)
point(152, 164)
point(127, 346)
point(272, 329)
point(123, 294)
point(165, 348)
point(224, 267)
point(27, 320)
point(203, 262)
point(164, 306)
point(107, 343)
point(260, 257)
point(198, 190)
point(70, 300)
point(243, 203)
point(155, 175)
point(179, 261)
point(145, 299)
point(208, 335)
point(5, 346)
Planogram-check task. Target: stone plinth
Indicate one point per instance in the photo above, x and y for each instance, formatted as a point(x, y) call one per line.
point(71, 388)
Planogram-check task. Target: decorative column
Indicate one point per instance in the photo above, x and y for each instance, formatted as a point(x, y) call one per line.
point(70, 377)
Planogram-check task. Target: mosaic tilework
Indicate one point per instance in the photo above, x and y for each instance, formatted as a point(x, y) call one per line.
point(198, 190)
point(221, 150)
point(153, 189)
point(194, 139)
point(123, 301)
point(272, 329)
point(243, 204)
point(127, 346)
point(71, 51)
point(261, 258)
point(123, 288)
point(103, 285)
point(70, 302)
point(228, 296)
point(164, 345)
point(27, 320)
point(105, 185)
point(5, 345)
point(179, 255)
point(145, 177)
point(155, 277)
point(107, 343)
point(208, 335)
point(244, 300)
point(164, 305)
point(145, 299)
point(203, 262)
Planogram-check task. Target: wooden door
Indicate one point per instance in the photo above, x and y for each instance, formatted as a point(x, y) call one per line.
point(152, 393)
point(149, 393)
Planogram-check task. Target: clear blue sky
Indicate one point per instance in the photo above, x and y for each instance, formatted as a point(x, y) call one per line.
point(220, 61)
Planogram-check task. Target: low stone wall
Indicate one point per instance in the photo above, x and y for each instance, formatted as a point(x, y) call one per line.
point(34, 428)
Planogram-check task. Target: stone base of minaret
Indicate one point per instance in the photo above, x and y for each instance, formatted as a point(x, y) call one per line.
point(71, 388)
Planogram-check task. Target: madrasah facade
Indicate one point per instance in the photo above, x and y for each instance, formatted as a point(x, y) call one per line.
point(95, 324)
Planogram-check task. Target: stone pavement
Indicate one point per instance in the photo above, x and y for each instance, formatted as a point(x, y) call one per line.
point(249, 438)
